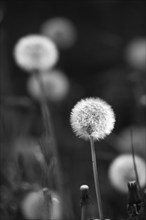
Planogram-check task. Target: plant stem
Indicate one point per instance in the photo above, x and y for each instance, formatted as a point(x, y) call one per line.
point(83, 212)
point(133, 158)
point(96, 179)
point(49, 134)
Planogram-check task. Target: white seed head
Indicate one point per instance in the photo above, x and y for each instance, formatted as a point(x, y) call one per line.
point(35, 52)
point(121, 171)
point(92, 117)
point(84, 187)
point(55, 86)
point(61, 31)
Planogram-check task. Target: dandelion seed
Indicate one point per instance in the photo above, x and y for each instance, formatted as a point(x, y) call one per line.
point(92, 117)
point(55, 86)
point(35, 53)
point(121, 171)
point(61, 31)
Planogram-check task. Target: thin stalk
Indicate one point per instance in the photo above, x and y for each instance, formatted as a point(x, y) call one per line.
point(96, 179)
point(133, 158)
point(49, 133)
point(83, 212)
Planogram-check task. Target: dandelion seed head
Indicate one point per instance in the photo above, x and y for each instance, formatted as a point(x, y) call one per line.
point(35, 52)
point(92, 117)
point(121, 171)
point(60, 30)
point(142, 100)
point(136, 53)
point(37, 205)
point(55, 86)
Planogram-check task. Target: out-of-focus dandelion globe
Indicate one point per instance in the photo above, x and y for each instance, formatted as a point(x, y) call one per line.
point(36, 206)
point(136, 53)
point(35, 53)
point(123, 141)
point(55, 86)
point(121, 171)
point(142, 100)
point(92, 117)
point(61, 31)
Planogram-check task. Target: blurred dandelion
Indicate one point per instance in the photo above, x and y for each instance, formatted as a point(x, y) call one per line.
point(35, 53)
point(55, 86)
point(61, 31)
point(93, 119)
point(136, 53)
point(142, 100)
point(42, 204)
point(121, 171)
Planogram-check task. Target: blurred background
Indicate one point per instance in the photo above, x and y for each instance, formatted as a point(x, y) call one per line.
point(102, 54)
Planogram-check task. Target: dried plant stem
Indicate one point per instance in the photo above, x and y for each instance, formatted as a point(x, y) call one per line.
point(96, 179)
point(133, 158)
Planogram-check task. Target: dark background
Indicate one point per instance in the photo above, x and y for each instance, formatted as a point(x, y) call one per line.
point(95, 66)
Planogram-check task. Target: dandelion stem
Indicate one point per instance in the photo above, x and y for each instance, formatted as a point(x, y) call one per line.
point(96, 179)
point(49, 132)
point(83, 212)
point(133, 158)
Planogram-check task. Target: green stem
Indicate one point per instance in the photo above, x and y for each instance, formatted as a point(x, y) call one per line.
point(96, 179)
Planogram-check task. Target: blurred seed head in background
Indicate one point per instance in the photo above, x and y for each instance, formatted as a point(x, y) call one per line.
point(135, 53)
point(35, 53)
point(55, 86)
point(121, 171)
point(61, 30)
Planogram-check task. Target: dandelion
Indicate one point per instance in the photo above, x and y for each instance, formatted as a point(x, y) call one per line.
point(55, 86)
point(35, 53)
point(61, 31)
point(142, 100)
point(92, 117)
point(42, 204)
point(136, 53)
point(121, 171)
